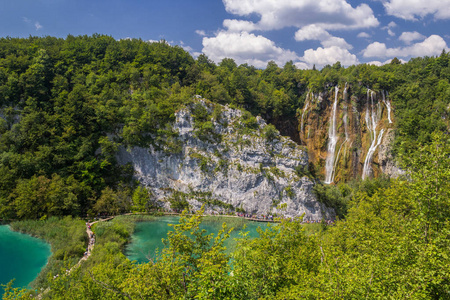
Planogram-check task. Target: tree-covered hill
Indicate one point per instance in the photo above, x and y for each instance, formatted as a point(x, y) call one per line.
point(61, 100)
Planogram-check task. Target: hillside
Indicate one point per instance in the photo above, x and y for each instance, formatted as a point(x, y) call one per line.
point(92, 125)
point(62, 99)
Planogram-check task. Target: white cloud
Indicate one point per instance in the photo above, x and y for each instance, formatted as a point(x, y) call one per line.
point(239, 25)
point(363, 35)
point(411, 10)
point(389, 28)
point(314, 32)
point(432, 45)
point(328, 56)
point(38, 26)
point(186, 47)
point(375, 49)
point(328, 14)
point(302, 65)
point(392, 24)
point(245, 47)
point(408, 37)
point(311, 32)
point(379, 63)
point(200, 32)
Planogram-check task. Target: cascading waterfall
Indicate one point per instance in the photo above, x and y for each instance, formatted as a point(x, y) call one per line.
point(388, 106)
point(336, 160)
point(371, 122)
point(345, 113)
point(332, 141)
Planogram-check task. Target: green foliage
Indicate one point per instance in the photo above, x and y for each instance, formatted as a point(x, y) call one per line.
point(289, 192)
point(204, 128)
point(269, 132)
point(113, 202)
point(393, 243)
point(141, 199)
point(68, 104)
point(340, 197)
point(307, 171)
point(178, 201)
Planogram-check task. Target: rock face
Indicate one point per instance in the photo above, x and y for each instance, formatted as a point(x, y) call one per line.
point(387, 163)
point(363, 119)
point(252, 170)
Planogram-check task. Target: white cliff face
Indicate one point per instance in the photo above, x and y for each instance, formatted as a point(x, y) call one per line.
point(243, 169)
point(388, 164)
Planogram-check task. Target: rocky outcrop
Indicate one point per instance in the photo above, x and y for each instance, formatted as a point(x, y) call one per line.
point(238, 162)
point(386, 161)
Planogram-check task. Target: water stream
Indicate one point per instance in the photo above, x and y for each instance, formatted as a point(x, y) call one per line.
point(371, 122)
point(345, 112)
point(388, 106)
point(332, 141)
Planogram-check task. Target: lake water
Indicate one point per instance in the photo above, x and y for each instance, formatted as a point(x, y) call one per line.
point(148, 235)
point(21, 257)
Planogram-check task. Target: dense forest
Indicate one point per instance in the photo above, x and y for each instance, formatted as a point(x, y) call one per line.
point(66, 105)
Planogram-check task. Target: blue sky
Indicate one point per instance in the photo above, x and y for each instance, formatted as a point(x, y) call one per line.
point(308, 32)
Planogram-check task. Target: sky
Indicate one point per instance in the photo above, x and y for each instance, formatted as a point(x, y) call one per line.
point(307, 32)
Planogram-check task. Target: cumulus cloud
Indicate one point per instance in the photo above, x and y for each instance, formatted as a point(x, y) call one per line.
point(408, 37)
point(245, 47)
point(314, 32)
point(363, 35)
point(328, 14)
point(432, 45)
point(328, 56)
point(412, 10)
point(239, 25)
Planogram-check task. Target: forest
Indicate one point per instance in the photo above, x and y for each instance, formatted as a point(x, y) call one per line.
point(66, 105)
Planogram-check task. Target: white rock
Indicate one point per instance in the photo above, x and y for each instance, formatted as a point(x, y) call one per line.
point(241, 183)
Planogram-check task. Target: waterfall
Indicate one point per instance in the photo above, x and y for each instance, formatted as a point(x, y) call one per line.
point(304, 110)
point(332, 141)
point(345, 113)
point(371, 122)
point(388, 106)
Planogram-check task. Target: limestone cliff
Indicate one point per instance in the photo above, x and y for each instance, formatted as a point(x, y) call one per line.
point(227, 158)
point(344, 132)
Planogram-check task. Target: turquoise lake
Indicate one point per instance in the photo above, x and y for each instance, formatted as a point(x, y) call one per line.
point(21, 257)
point(148, 235)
